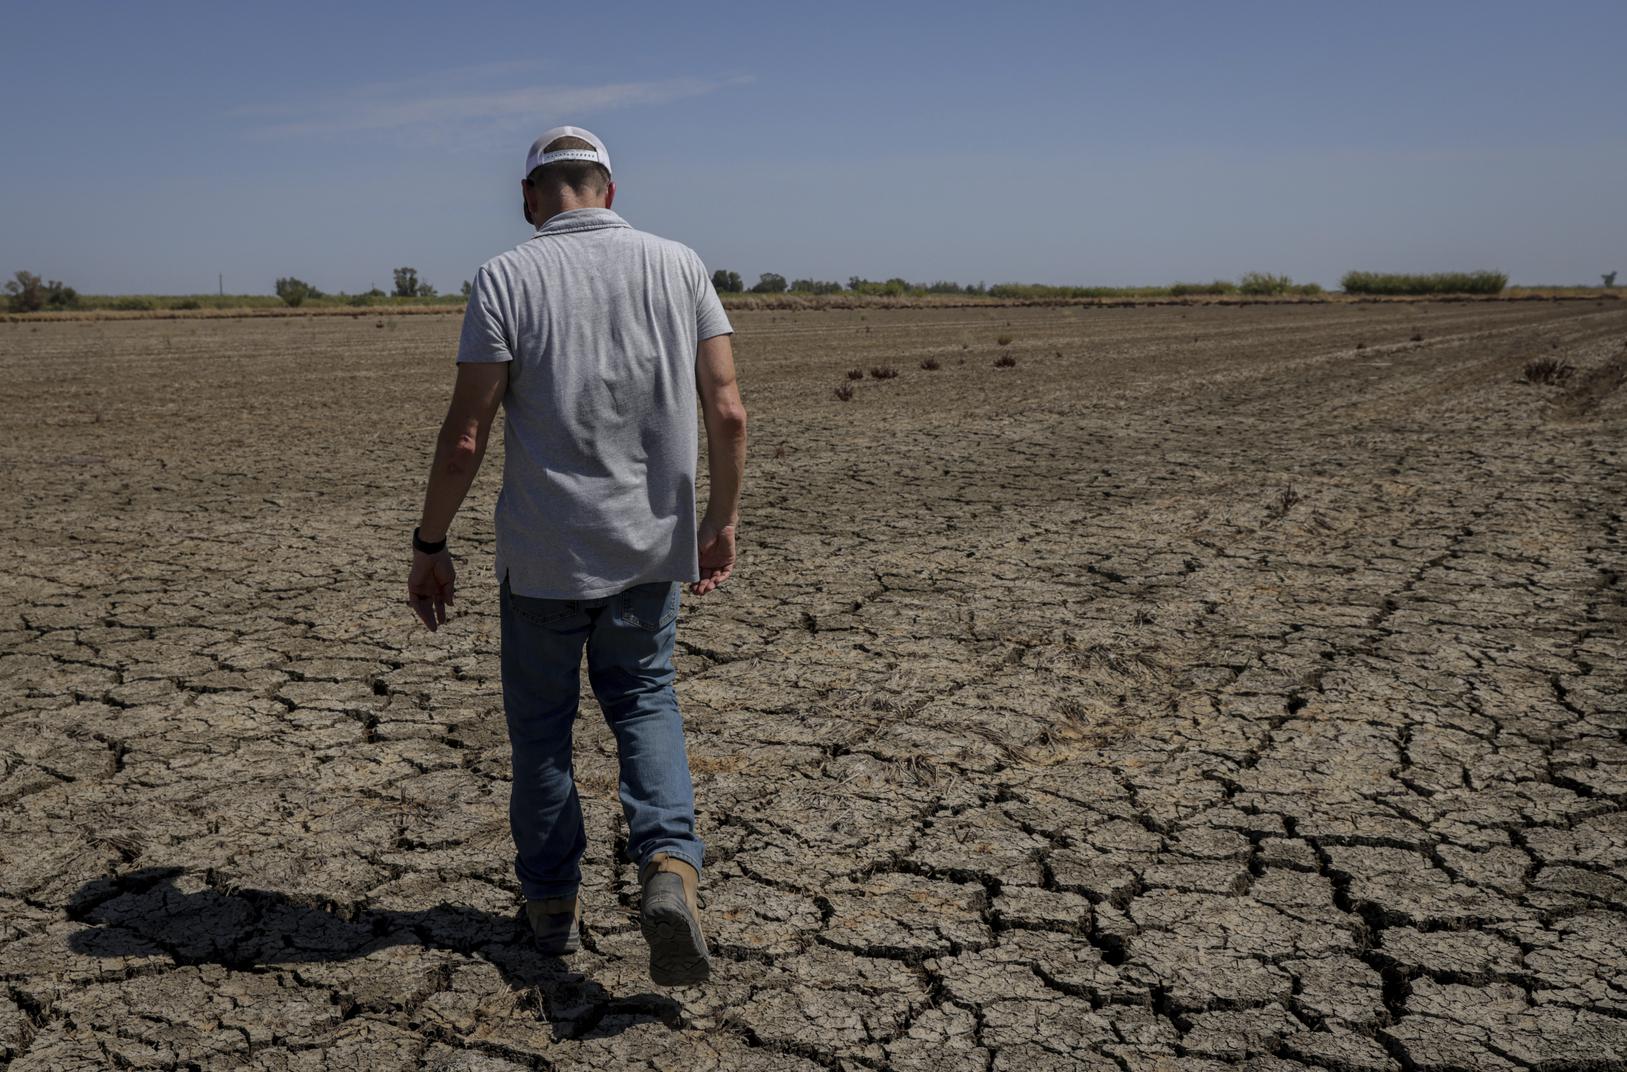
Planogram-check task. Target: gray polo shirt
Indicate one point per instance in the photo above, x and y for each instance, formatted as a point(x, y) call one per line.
point(600, 322)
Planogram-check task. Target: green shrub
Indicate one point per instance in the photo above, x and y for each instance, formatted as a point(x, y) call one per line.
point(293, 291)
point(1219, 286)
point(1484, 282)
point(815, 286)
point(896, 287)
point(27, 293)
point(408, 285)
point(1041, 291)
point(1258, 283)
point(129, 304)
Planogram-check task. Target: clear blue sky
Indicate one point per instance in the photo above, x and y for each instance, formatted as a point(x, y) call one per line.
point(147, 147)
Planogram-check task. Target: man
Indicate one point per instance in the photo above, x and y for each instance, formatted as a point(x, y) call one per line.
point(596, 339)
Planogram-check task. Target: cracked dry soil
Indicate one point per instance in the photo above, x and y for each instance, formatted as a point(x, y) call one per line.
point(1201, 692)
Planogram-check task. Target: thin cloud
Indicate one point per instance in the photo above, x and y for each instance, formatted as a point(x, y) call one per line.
point(361, 113)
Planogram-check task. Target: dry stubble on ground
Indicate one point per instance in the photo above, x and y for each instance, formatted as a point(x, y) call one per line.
point(1202, 691)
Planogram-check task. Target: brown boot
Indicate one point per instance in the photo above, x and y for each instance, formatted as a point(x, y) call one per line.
point(671, 920)
point(556, 924)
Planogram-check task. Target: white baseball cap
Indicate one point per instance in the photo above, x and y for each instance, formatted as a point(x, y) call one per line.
point(596, 155)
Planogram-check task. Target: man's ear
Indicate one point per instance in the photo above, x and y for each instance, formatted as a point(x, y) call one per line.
point(525, 200)
point(609, 194)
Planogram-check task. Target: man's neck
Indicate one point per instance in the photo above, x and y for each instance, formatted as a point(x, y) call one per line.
point(571, 204)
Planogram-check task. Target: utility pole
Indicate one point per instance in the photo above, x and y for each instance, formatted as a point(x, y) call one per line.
point(222, 284)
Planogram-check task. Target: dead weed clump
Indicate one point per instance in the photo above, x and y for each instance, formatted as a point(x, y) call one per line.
point(1004, 340)
point(930, 364)
point(1005, 361)
point(855, 374)
point(845, 392)
point(1547, 370)
point(1284, 502)
point(883, 372)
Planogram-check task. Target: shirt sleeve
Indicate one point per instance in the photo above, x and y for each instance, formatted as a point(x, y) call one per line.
point(484, 337)
point(710, 319)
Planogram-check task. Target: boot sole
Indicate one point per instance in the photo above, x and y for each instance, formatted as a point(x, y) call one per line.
point(677, 951)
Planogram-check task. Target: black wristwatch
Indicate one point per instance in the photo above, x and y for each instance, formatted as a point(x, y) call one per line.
point(421, 544)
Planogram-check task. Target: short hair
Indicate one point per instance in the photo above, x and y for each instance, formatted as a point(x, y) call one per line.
point(583, 176)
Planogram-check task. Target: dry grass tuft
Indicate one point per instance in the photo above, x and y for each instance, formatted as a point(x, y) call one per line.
point(845, 392)
point(1004, 340)
point(1547, 370)
point(883, 372)
point(1284, 502)
point(930, 364)
point(855, 374)
point(1005, 361)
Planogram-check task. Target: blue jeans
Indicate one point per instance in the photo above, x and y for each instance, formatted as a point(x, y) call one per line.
point(629, 639)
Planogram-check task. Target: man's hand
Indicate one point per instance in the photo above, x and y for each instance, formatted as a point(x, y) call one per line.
point(429, 587)
point(458, 451)
point(716, 556)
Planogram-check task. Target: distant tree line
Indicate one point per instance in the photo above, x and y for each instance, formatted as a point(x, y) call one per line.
point(1438, 283)
point(729, 282)
point(27, 292)
point(294, 291)
point(1253, 284)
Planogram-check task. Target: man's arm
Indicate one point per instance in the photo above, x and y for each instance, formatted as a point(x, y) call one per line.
point(459, 450)
point(725, 418)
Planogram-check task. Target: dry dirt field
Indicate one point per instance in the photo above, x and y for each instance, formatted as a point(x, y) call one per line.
point(1203, 691)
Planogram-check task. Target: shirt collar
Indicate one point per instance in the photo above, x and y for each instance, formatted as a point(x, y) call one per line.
point(581, 219)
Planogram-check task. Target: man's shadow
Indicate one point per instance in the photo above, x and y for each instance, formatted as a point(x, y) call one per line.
point(146, 913)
